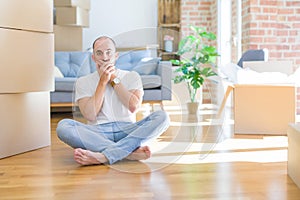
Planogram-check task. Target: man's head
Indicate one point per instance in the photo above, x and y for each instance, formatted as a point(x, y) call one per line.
point(104, 51)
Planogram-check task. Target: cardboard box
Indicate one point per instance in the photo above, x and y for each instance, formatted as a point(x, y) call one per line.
point(72, 16)
point(68, 38)
point(24, 122)
point(293, 153)
point(263, 108)
point(29, 15)
point(26, 61)
point(85, 4)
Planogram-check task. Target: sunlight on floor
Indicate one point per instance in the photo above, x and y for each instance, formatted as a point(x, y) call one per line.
point(208, 122)
point(187, 148)
point(267, 149)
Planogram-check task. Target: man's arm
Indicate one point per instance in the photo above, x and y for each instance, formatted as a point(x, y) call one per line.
point(91, 106)
point(131, 99)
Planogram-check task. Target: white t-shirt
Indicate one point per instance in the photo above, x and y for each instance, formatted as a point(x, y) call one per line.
point(112, 109)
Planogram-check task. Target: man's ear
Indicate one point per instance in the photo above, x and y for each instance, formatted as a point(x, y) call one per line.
point(93, 57)
point(116, 55)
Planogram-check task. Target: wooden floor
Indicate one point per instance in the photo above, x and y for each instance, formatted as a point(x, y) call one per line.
point(196, 158)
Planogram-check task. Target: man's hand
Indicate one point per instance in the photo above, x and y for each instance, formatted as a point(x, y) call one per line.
point(106, 72)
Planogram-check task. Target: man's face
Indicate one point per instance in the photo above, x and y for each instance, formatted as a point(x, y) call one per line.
point(104, 52)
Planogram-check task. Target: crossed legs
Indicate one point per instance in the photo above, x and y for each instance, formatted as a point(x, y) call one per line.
point(109, 143)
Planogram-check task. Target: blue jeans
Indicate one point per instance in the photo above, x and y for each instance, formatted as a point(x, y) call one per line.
point(116, 140)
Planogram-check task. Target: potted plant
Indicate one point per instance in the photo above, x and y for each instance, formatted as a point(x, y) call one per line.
point(197, 60)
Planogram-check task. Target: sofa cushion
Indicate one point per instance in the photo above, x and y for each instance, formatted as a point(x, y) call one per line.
point(124, 66)
point(73, 64)
point(124, 57)
point(147, 66)
point(65, 84)
point(153, 94)
point(61, 97)
point(128, 59)
point(124, 61)
point(136, 56)
point(151, 81)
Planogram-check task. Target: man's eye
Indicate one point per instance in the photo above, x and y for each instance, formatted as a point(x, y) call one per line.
point(99, 53)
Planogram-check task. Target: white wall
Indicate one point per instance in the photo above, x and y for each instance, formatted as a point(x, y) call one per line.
point(129, 22)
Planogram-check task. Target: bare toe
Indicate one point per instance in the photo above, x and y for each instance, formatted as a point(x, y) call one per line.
point(141, 153)
point(86, 157)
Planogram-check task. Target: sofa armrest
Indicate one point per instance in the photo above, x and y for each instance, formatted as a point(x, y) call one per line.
point(164, 70)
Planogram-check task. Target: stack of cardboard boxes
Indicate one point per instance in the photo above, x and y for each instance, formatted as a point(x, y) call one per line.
point(26, 78)
point(71, 16)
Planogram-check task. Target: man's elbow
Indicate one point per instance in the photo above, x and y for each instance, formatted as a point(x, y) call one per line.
point(89, 117)
point(133, 107)
point(134, 104)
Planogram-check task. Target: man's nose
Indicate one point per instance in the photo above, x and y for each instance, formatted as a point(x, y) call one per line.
point(105, 57)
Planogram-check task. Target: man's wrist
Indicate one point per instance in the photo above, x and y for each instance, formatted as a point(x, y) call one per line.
point(115, 81)
point(112, 77)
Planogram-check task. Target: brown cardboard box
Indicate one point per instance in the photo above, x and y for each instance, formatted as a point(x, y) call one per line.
point(68, 38)
point(26, 61)
point(15, 14)
point(25, 122)
point(263, 108)
point(85, 4)
point(72, 16)
point(293, 152)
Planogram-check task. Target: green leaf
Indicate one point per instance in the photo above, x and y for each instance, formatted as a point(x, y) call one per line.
point(184, 70)
point(195, 84)
point(185, 44)
point(209, 50)
point(178, 79)
point(175, 62)
point(208, 35)
point(197, 29)
point(205, 71)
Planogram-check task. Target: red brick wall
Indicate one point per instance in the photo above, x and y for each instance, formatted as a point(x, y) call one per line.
point(195, 12)
point(272, 24)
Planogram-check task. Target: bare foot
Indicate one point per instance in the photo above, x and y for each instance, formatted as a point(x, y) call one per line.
point(142, 153)
point(86, 157)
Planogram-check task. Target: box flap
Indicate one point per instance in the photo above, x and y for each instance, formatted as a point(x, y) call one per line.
point(285, 67)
